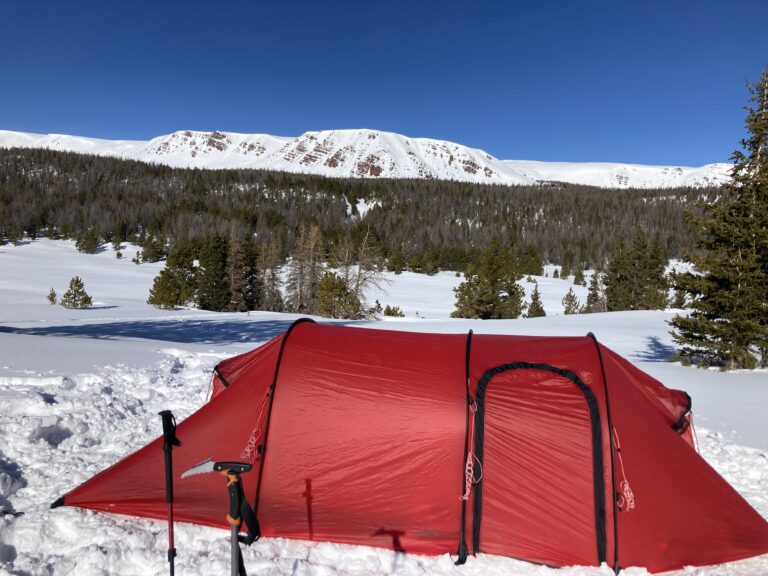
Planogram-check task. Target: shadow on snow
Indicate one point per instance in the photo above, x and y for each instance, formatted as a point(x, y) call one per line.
point(180, 331)
point(656, 351)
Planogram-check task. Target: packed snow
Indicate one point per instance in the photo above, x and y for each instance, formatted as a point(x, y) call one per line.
point(367, 154)
point(79, 389)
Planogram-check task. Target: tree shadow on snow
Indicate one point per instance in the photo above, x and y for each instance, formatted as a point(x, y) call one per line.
point(180, 331)
point(656, 351)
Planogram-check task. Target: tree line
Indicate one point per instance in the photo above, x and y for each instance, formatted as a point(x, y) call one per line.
point(635, 279)
point(421, 225)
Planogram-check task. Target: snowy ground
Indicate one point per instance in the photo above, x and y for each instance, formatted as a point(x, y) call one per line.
point(81, 388)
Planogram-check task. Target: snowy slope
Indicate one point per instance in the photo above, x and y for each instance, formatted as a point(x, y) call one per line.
point(365, 154)
point(608, 175)
point(79, 389)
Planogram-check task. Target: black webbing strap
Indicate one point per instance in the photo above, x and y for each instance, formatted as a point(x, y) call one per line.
point(251, 524)
point(240, 564)
point(682, 422)
point(252, 527)
point(221, 376)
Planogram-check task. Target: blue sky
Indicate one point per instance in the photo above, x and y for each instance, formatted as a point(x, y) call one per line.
point(630, 81)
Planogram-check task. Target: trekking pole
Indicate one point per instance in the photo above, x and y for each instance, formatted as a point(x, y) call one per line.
point(169, 441)
point(232, 471)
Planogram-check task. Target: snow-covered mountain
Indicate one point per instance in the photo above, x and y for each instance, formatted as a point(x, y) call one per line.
point(366, 154)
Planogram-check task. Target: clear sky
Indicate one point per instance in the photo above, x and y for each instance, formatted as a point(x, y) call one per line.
point(657, 82)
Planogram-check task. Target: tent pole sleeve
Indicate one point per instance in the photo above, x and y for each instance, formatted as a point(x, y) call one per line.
point(263, 451)
point(616, 566)
point(463, 551)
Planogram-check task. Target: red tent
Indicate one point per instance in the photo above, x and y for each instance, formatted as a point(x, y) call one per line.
point(551, 450)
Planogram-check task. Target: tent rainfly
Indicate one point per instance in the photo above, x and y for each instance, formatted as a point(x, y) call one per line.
point(551, 450)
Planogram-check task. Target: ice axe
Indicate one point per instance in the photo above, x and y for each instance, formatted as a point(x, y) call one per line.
point(239, 509)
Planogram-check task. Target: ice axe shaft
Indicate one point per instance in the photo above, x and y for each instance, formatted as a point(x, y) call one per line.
point(169, 441)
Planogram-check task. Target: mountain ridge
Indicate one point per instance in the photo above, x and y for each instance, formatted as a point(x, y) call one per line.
point(365, 153)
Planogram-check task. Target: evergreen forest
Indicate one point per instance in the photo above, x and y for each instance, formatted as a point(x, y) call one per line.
point(424, 225)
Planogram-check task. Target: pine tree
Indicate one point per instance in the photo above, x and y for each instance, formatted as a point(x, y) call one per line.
point(536, 307)
point(475, 298)
point(620, 282)
point(237, 274)
point(52, 297)
point(728, 323)
point(635, 277)
point(578, 277)
point(176, 284)
point(416, 263)
point(166, 290)
point(269, 264)
point(396, 262)
point(76, 296)
point(253, 292)
point(153, 248)
point(304, 272)
point(571, 304)
point(212, 282)
point(530, 263)
point(595, 297)
point(655, 283)
point(678, 301)
point(490, 289)
point(14, 235)
point(88, 242)
point(335, 299)
point(394, 311)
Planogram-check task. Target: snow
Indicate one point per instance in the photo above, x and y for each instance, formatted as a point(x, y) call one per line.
point(366, 153)
point(79, 389)
point(610, 175)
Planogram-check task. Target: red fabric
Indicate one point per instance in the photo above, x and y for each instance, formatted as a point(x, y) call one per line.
point(538, 504)
point(366, 446)
point(685, 512)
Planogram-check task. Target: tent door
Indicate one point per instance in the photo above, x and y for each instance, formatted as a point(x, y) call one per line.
point(538, 439)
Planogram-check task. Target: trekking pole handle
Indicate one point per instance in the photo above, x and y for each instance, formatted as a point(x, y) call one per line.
point(169, 430)
point(169, 441)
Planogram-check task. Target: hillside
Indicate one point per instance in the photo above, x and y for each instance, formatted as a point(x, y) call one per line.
point(441, 222)
point(366, 154)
